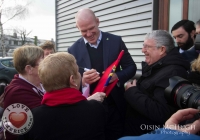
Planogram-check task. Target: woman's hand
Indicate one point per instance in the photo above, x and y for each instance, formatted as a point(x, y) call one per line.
point(99, 96)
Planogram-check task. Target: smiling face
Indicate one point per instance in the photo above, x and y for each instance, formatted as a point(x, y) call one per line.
point(88, 25)
point(151, 52)
point(89, 30)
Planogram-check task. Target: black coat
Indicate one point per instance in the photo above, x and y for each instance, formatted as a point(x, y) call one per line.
point(84, 120)
point(194, 78)
point(146, 101)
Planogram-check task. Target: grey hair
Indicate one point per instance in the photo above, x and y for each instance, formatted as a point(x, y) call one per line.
point(162, 38)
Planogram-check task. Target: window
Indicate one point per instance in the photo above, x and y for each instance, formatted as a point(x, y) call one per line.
point(19, 43)
point(15, 42)
point(193, 12)
point(175, 12)
point(7, 63)
point(6, 42)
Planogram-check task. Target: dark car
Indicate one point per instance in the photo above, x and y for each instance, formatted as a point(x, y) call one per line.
point(7, 70)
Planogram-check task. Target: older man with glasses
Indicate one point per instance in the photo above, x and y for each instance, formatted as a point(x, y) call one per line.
point(147, 106)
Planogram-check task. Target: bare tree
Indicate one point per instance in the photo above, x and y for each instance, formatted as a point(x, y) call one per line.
point(23, 34)
point(18, 11)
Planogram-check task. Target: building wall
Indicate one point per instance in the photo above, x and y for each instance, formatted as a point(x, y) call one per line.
point(127, 18)
point(194, 10)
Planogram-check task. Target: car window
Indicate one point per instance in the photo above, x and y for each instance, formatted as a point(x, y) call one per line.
point(11, 51)
point(8, 63)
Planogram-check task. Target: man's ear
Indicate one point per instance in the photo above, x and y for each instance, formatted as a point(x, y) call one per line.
point(97, 20)
point(162, 50)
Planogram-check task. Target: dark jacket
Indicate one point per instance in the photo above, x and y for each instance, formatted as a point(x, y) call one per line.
point(84, 120)
point(147, 104)
point(190, 54)
point(20, 91)
point(112, 46)
point(194, 78)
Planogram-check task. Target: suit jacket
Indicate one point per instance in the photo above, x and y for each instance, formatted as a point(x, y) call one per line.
point(190, 54)
point(112, 46)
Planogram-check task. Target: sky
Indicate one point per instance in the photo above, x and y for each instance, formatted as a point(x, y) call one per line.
point(40, 20)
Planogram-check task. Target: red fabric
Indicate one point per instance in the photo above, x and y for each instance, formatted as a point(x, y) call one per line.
point(20, 91)
point(62, 96)
point(108, 89)
point(101, 84)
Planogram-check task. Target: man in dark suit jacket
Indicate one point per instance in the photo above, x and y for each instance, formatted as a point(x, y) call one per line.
point(97, 50)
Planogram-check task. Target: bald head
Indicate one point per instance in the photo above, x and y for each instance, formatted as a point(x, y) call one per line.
point(88, 24)
point(84, 15)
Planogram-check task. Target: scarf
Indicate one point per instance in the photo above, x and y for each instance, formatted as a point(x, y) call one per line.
point(62, 96)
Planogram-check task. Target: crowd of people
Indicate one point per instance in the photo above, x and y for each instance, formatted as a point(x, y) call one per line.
point(50, 84)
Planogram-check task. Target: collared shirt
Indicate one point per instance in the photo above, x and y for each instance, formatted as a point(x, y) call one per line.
point(37, 90)
point(181, 51)
point(98, 41)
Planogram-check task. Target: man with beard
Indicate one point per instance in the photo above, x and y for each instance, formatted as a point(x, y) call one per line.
point(184, 35)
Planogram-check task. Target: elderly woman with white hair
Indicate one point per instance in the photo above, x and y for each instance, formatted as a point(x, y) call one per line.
point(65, 113)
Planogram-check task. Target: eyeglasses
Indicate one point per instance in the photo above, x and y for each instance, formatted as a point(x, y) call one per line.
point(146, 47)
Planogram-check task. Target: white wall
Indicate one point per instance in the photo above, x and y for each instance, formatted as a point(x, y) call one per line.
point(127, 18)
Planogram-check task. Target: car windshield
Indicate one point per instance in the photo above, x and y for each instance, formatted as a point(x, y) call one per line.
point(7, 63)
